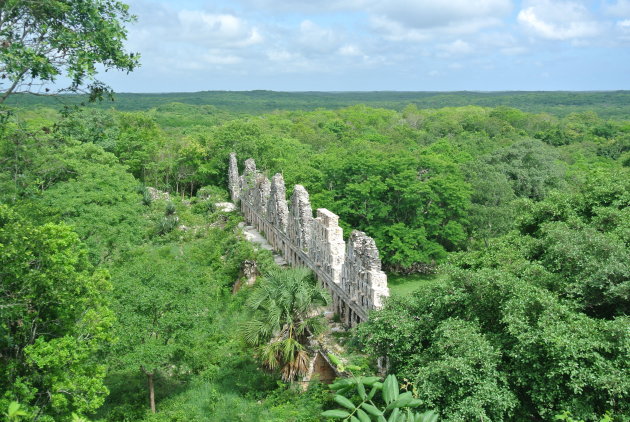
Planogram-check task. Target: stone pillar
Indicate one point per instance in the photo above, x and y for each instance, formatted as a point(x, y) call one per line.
point(300, 218)
point(234, 183)
point(327, 249)
point(277, 208)
point(361, 275)
point(261, 195)
point(248, 181)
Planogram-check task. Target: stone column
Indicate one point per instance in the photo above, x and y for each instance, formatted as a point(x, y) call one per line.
point(300, 218)
point(234, 183)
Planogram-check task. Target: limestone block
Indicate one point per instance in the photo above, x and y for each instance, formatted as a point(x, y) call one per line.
point(234, 179)
point(300, 218)
point(262, 192)
point(361, 276)
point(248, 181)
point(277, 208)
point(327, 248)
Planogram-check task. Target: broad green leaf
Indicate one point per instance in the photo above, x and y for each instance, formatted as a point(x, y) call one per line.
point(403, 400)
point(414, 403)
point(394, 415)
point(344, 402)
point(361, 390)
point(428, 416)
point(336, 414)
point(369, 381)
point(371, 409)
point(390, 389)
point(363, 417)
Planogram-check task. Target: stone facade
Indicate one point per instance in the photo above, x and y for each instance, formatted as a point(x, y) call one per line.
point(350, 271)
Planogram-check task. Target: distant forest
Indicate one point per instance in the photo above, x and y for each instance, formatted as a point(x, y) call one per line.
point(607, 104)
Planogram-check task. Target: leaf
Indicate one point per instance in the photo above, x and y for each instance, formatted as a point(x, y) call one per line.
point(335, 414)
point(353, 419)
point(363, 417)
point(394, 415)
point(371, 409)
point(414, 403)
point(428, 416)
point(361, 390)
point(390, 389)
point(344, 402)
point(402, 401)
point(369, 381)
point(15, 411)
point(372, 392)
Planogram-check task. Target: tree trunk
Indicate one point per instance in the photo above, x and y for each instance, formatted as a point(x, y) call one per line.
point(151, 392)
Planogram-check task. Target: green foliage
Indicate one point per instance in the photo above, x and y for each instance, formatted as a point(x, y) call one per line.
point(55, 319)
point(282, 306)
point(14, 412)
point(525, 353)
point(376, 401)
point(45, 39)
point(97, 197)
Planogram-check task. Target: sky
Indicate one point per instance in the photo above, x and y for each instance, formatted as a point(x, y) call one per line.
point(377, 45)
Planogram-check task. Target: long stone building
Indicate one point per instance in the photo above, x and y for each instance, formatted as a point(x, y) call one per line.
point(351, 271)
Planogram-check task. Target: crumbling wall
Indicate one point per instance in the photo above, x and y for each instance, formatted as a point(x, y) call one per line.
point(350, 271)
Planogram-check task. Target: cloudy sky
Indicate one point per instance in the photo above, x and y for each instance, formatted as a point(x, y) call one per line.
point(366, 45)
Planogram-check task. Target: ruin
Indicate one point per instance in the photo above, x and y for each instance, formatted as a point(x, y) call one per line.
point(350, 271)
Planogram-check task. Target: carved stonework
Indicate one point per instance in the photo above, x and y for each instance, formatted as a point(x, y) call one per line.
point(233, 179)
point(277, 208)
point(351, 271)
point(300, 218)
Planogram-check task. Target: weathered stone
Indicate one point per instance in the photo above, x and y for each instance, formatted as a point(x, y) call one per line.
point(234, 179)
point(261, 194)
point(300, 218)
point(157, 194)
point(327, 248)
point(362, 278)
point(351, 272)
point(277, 208)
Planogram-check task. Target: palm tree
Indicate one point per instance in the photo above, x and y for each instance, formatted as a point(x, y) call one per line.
point(284, 315)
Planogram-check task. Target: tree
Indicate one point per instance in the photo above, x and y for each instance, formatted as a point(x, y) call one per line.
point(284, 316)
point(41, 40)
point(54, 319)
point(161, 300)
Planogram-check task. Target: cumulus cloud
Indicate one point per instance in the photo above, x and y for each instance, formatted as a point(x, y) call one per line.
point(216, 29)
point(314, 38)
point(553, 20)
point(430, 14)
point(422, 20)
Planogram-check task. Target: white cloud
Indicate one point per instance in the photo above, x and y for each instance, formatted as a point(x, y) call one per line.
point(216, 29)
point(317, 39)
point(555, 20)
point(456, 48)
point(422, 20)
point(620, 8)
point(432, 14)
point(350, 50)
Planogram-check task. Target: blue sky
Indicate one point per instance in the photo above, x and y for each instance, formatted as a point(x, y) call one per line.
point(370, 45)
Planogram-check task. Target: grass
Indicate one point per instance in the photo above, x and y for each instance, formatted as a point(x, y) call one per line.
point(405, 285)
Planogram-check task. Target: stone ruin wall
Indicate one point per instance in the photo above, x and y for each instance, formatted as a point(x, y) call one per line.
point(351, 271)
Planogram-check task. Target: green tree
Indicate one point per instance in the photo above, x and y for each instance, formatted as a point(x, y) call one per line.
point(283, 309)
point(44, 39)
point(54, 320)
point(160, 301)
